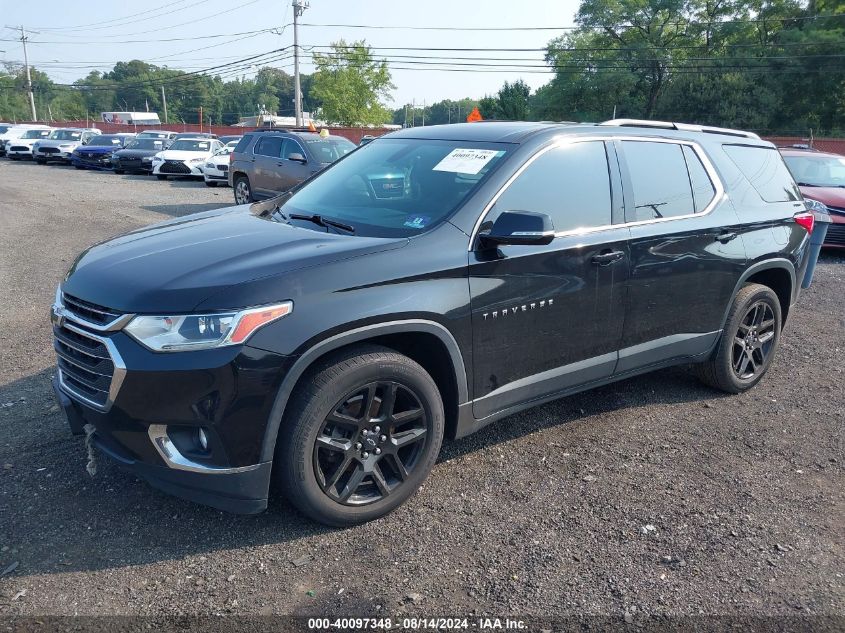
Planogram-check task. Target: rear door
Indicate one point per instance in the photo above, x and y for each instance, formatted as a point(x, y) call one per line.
point(547, 318)
point(686, 257)
point(266, 178)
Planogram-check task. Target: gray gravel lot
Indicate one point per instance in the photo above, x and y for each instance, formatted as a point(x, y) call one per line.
point(652, 496)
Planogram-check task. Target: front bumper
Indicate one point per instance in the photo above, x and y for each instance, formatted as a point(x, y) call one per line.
point(60, 156)
point(215, 175)
point(102, 162)
point(132, 165)
point(162, 399)
point(193, 170)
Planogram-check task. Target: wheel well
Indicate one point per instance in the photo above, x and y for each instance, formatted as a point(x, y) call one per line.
point(427, 350)
point(779, 280)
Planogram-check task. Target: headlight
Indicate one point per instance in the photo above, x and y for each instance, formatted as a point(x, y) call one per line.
point(209, 165)
point(147, 159)
point(815, 205)
point(157, 159)
point(203, 331)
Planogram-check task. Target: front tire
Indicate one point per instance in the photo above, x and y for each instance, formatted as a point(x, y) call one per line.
point(40, 161)
point(748, 343)
point(242, 190)
point(210, 183)
point(119, 172)
point(161, 176)
point(361, 434)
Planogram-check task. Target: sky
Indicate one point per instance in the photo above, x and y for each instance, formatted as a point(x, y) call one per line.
point(69, 39)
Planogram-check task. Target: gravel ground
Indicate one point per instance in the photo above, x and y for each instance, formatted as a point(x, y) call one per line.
point(651, 496)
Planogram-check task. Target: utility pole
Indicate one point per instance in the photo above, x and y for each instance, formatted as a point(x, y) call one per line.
point(423, 112)
point(164, 103)
point(28, 77)
point(299, 7)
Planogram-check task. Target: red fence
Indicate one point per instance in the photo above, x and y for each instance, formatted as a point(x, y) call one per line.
point(835, 145)
point(354, 134)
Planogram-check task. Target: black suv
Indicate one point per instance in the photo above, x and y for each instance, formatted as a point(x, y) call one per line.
point(427, 284)
point(266, 163)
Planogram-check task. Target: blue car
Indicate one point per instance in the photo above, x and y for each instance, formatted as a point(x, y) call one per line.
point(96, 154)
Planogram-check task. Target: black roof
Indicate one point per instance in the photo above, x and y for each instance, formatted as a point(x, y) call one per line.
point(489, 131)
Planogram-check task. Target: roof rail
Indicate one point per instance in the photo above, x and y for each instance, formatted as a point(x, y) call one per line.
point(686, 127)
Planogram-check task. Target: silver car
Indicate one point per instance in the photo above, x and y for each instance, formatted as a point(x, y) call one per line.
point(59, 146)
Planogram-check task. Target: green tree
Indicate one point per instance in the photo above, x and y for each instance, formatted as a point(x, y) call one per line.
point(513, 101)
point(350, 84)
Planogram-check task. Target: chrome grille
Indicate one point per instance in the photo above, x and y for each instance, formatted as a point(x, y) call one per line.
point(89, 367)
point(90, 312)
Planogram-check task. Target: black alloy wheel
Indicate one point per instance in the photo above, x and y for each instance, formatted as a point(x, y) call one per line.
point(748, 343)
point(359, 435)
point(370, 443)
point(753, 341)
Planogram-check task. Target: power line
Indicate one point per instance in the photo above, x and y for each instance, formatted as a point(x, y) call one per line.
point(678, 23)
point(81, 26)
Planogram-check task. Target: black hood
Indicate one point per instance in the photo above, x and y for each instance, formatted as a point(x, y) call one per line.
point(136, 153)
point(175, 265)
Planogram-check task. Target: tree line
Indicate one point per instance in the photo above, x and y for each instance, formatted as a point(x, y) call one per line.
point(766, 65)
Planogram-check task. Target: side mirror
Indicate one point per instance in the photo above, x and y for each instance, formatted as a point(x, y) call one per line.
point(296, 156)
point(520, 228)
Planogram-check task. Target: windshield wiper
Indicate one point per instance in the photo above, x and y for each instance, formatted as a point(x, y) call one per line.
point(319, 220)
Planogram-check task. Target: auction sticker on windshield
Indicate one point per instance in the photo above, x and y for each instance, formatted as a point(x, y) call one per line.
point(466, 161)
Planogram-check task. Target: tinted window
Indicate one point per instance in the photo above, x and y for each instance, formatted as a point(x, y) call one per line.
point(328, 150)
point(570, 184)
point(291, 147)
point(269, 146)
point(659, 179)
point(186, 145)
point(243, 143)
point(764, 168)
point(702, 188)
point(397, 187)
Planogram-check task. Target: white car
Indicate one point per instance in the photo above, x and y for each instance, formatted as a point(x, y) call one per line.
point(18, 148)
point(216, 170)
point(185, 157)
point(12, 131)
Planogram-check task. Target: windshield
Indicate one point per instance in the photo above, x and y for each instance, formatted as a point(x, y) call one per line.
point(66, 135)
point(36, 134)
point(146, 143)
point(328, 150)
point(397, 187)
point(190, 146)
point(105, 140)
point(153, 135)
point(817, 171)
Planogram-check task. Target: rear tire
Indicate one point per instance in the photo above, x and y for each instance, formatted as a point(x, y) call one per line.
point(748, 343)
point(368, 418)
point(242, 190)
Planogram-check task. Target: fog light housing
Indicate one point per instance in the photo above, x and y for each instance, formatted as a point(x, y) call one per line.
point(202, 439)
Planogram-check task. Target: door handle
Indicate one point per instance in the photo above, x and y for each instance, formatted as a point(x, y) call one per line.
point(607, 257)
point(726, 236)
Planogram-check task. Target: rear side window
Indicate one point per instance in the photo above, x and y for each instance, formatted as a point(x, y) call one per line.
point(571, 184)
point(764, 168)
point(269, 146)
point(702, 187)
point(243, 144)
point(659, 179)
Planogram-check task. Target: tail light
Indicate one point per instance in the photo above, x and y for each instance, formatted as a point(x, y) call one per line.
point(807, 220)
